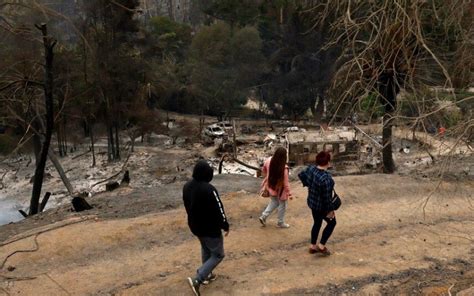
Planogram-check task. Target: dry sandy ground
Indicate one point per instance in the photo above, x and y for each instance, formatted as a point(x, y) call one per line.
point(382, 245)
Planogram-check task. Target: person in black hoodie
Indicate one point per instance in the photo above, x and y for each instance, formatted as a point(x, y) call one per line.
point(206, 219)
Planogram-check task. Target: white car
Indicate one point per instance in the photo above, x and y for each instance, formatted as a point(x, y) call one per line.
point(292, 129)
point(214, 131)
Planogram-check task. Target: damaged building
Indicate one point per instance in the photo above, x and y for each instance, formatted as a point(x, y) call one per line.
point(304, 146)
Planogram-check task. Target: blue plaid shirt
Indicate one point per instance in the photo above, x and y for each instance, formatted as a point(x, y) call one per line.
point(320, 186)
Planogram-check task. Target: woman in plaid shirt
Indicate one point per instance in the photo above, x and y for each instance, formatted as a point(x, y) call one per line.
point(320, 187)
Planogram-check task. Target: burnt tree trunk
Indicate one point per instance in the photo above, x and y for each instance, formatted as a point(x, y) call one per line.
point(64, 137)
point(85, 128)
point(387, 158)
point(388, 89)
point(318, 109)
point(58, 138)
point(49, 44)
point(132, 142)
point(44, 201)
point(61, 172)
point(110, 142)
point(117, 142)
point(37, 147)
point(91, 132)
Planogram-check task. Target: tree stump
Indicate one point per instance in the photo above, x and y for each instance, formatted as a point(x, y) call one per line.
point(125, 179)
point(80, 204)
point(111, 185)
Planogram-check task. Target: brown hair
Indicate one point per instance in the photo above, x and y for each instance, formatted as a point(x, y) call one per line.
point(277, 168)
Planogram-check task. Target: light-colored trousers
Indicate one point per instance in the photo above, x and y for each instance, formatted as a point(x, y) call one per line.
point(274, 203)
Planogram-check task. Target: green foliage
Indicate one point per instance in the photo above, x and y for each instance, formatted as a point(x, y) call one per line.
point(300, 68)
point(371, 107)
point(223, 66)
point(169, 37)
point(212, 45)
point(242, 13)
point(296, 105)
point(465, 102)
point(451, 119)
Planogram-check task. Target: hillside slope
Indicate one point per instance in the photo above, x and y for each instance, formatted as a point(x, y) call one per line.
point(381, 245)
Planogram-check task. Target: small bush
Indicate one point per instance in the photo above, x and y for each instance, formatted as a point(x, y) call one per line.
point(371, 107)
point(451, 119)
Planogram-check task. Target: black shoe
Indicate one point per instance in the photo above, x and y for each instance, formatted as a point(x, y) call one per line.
point(194, 284)
point(210, 278)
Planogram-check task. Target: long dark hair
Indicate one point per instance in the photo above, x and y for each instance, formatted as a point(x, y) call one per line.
point(277, 168)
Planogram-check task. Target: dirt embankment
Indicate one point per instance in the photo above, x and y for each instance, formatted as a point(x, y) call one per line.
point(381, 245)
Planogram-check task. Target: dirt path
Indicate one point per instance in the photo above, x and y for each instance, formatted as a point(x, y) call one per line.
point(381, 245)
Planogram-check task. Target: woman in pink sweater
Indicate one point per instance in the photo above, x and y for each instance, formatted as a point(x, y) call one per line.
point(275, 172)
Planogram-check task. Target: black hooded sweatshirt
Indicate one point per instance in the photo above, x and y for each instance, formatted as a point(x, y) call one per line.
point(206, 215)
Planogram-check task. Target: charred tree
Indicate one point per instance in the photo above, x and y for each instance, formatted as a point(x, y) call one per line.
point(61, 172)
point(48, 44)
point(44, 201)
point(117, 142)
point(91, 132)
point(388, 90)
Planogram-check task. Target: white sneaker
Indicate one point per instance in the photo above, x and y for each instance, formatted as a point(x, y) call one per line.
point(283, 225)
point(194, 285)
point(262, 220)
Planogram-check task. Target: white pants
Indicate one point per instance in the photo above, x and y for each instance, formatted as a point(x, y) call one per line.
point(274, 203)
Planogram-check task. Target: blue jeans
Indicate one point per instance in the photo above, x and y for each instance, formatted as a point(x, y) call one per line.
point(212, 252)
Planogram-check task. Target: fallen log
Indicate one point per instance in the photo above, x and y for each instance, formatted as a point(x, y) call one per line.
point(114, 175)
point(246, 165)
point(225, 156)
point(23, 213)
point(82, 154)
